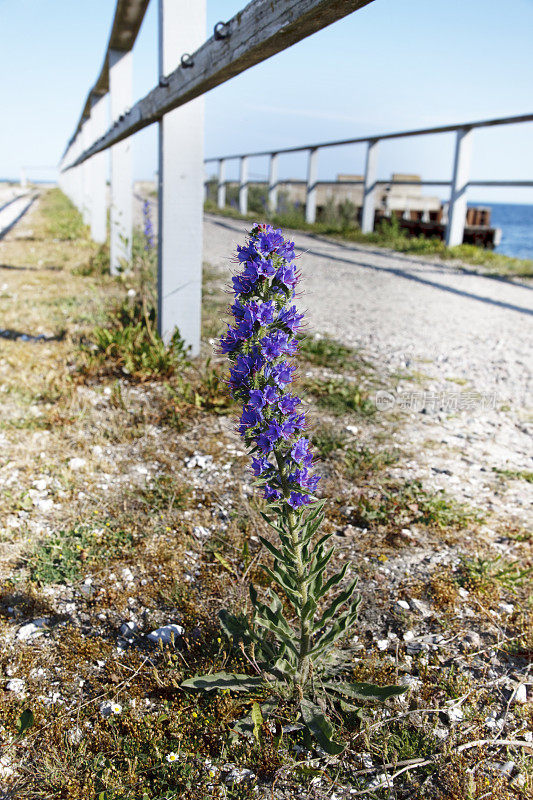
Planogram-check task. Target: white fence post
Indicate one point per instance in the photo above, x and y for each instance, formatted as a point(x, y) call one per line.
point(86, 172)
point(272, 203)
point(461, 172)
point(310, 196)
point(243, 185)
point(121, 212)
point(221, 189)
point(78, 173)
point(369, 196)
point(182, 27)
point(98, 198)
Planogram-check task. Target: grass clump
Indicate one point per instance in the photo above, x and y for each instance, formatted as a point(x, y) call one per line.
point(362, 461)
point(340, 397)
point(63, 557)
point(481, 575)
point(409, 503)
point(515, 474)
point(64, 221)
point(324, 351)
point(130, 345)
point(327, 440)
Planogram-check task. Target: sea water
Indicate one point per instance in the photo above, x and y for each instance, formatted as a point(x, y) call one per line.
point(516, 223)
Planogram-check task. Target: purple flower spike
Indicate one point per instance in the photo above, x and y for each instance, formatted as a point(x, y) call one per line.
point(258, 344)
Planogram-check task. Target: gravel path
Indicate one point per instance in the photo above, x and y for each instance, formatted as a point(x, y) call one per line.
point(14, 202)
point(467, 340)
point(402, 309)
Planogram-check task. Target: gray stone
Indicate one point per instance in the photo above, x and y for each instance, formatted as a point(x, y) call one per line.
point(32, 629)
point(519, 694)
point(166, 634)
point(420, 607)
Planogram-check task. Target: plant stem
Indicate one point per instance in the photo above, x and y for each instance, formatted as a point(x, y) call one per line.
point(303, 668)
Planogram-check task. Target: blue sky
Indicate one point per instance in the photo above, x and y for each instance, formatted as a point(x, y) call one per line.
point(389, 66)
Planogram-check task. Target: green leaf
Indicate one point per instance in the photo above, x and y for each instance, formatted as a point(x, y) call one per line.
point(349, 708)
point(245, 726)
point(25, 721)
point(224, 680)
point(339, 628)
point(366, 691)
point(320, 727)
point(284, 667)
point(257, 719)
point(225, 563)
point(336, 604)
point(332, 582)
point(309, 609)
point(271, 548)
point(277, 577)
point(321, 564)
point(281, 634)
point(236, 627)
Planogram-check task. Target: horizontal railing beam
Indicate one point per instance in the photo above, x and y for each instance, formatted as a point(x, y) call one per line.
point(127, 21)
point(488, 123)
point(298, 182)
point(257, 32)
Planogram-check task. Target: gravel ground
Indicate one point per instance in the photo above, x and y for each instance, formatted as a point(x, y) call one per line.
point(465, 339)
point(14, 202)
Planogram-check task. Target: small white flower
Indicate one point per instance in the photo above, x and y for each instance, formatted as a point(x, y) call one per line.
point(171, 757)
point(107, 709)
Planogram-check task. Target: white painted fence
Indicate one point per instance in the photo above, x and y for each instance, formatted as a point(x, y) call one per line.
point(459, 183)
point(188, 69)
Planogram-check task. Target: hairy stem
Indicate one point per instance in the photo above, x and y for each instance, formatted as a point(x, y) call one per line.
point(295, 528)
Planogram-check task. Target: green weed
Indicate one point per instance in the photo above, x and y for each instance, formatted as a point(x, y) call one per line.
point(323, 351)
point(482, 573)
point(327, 440)
point(64, 221)
point(129, 344)
point(362, 461)
point(515, 474)
point(63, 557)
point(163, 494)
point(340, 397)
point(410, 503)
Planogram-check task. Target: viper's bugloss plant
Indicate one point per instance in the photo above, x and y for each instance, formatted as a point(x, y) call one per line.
point(148, 228)
point(290, 638)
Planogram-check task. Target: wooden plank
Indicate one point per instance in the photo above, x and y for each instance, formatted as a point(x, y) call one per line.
point(256, 33)
point(243, 186)
point(273, 183)
point(221, 191)
point(98, 165)
point(127, 21)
